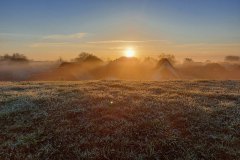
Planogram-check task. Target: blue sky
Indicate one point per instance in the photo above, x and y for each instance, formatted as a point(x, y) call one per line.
point(196, 28)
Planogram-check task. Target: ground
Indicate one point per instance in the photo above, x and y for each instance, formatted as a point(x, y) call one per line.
point(120, 120)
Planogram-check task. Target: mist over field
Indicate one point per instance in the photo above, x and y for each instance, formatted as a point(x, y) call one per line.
point(19, 72)
point(90, 67)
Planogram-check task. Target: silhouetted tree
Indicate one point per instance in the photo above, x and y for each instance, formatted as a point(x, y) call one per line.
point(232, 58)
point(15, 57)
point(170, 57)
point(149, 60)
point(87, 57)
point(188, 60)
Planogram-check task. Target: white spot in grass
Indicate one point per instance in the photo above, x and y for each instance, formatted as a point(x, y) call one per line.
point(111, 102)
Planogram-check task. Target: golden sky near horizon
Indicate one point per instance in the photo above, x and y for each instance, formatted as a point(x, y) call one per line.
point(117, 48)
point(47, 30)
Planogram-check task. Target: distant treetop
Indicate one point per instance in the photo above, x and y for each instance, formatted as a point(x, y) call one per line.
point(170, 57)
point(15, 57)
point(188, 60)
point(87, 57)
point(232, 58)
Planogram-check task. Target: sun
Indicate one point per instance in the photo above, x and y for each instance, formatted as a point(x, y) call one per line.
point(129, 52)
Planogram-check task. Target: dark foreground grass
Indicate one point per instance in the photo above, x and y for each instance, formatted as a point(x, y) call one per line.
point(120, 120)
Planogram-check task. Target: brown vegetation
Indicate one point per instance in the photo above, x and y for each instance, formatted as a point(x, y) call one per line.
point(120, 120)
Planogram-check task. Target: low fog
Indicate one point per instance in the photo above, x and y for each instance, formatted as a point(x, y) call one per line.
point(17, 67)
point(87, 66)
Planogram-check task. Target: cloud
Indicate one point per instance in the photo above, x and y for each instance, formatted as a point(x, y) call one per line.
point(59, 40)
point(58, 44)
point(46, 44)
point(65, 36)
point(16, 35)
point(208, 45)
point(124, 41)
point(56, 37)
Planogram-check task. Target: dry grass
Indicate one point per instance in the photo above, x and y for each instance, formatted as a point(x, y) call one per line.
point(120, 120)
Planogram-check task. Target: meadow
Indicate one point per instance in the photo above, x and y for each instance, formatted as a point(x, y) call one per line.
point(120, 120)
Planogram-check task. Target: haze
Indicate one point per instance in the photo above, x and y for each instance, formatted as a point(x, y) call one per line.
point(46, 30)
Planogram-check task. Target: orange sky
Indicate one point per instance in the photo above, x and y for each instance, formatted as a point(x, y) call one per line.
point(47, 30)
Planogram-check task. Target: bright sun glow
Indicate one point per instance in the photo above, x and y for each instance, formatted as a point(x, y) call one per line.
point(129, 52)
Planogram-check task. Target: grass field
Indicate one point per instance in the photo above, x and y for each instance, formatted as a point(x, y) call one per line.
point(120, 120)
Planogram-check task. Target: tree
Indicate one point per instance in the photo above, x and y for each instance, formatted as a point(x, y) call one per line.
point(87, 57)
point(188, 60)
point(15, 57)
point(232, 58)
point(170, 57)
point(149, 60)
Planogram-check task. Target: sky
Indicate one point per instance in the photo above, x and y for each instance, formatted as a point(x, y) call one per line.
point(49, 29)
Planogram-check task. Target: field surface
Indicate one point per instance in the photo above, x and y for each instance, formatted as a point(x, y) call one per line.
point(120, 120)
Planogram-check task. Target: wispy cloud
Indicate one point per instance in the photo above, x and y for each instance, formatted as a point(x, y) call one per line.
point(17, 35)
point(208, 45)
point(58, 44)
point(48, 37)
point(46, 44)
point(59, 40)
point(65, 36)
point(9, 34)
point(124, 41)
